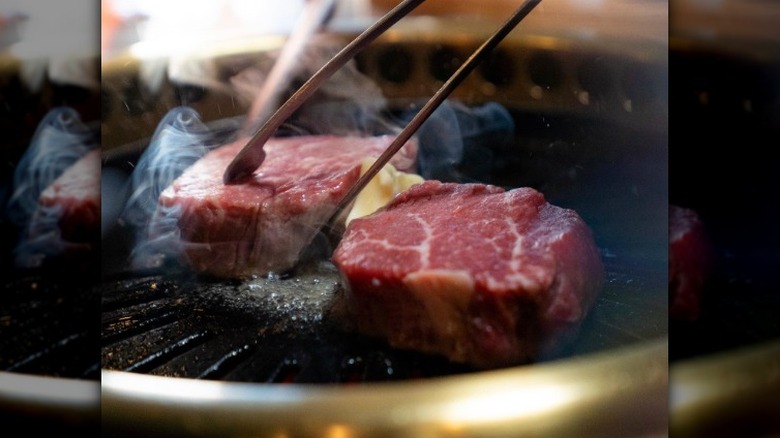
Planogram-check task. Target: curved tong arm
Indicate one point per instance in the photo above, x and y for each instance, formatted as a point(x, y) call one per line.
point(430, 106)
point(315, 16)
point(252, 155)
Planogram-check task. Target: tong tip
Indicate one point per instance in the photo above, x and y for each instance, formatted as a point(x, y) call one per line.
point(243, 165)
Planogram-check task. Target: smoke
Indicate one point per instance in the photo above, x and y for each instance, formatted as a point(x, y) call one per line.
point(38, 208)
point(159, 242)
point(454, 144)
point(348, 103)
point(181, 138)
point(44, 240)
point(456, 141)
point(59, 141)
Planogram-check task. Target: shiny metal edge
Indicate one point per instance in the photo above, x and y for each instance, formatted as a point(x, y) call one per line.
point(616, 393)
point(734, 393)
point(52, 397)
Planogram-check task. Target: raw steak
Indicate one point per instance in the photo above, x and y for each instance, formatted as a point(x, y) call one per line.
point(470, 271)
point(691, 260)
point(260, 225)
point(66, 223)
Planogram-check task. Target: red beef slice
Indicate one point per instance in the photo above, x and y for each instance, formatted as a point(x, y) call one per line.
point(691, 259)
point(473, 272)
point(260, 225)
point(65, 227)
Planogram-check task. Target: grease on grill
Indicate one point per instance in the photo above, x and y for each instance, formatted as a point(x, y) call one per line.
point(295, 302)
point(46, 326)
point(277, 329)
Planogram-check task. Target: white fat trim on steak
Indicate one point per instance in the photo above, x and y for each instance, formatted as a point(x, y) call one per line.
point(445, 293)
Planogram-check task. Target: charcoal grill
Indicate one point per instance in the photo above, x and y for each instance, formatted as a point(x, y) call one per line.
point(196, 356)
point(185, 355)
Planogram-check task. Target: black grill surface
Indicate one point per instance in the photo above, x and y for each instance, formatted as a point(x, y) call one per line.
point(726, 98)
point(290, 329)
point(49, 325)
point(286, 329)
point(269, 329)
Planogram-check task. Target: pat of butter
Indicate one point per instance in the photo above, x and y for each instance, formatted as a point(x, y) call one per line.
point(382, 188)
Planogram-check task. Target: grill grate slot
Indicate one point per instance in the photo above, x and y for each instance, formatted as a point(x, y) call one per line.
point(46, 326)
point(92, 372)
point(262, 366)
point(66, 356)
point(17, 346)
point(352, 369)
point(158, 358)
point(289, 369)
point(125, 327)
point(136, 292)
point(318, 364)
point(226, 363)
point(211, 359)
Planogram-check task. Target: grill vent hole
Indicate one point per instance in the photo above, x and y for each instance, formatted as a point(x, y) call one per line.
point(288, 371)
point(188, 94)
point(595, 77)
point(545, 70)
point(498, 68)
point(395, 64)
point(444, 61)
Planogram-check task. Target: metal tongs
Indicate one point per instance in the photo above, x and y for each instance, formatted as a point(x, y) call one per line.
point(252, 155)
point(315, 16)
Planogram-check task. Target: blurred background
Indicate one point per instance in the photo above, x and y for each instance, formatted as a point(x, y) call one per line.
point(724, 109)
point(190, 54)
point(585, 86)
point(122, 64)
point(49, 309)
